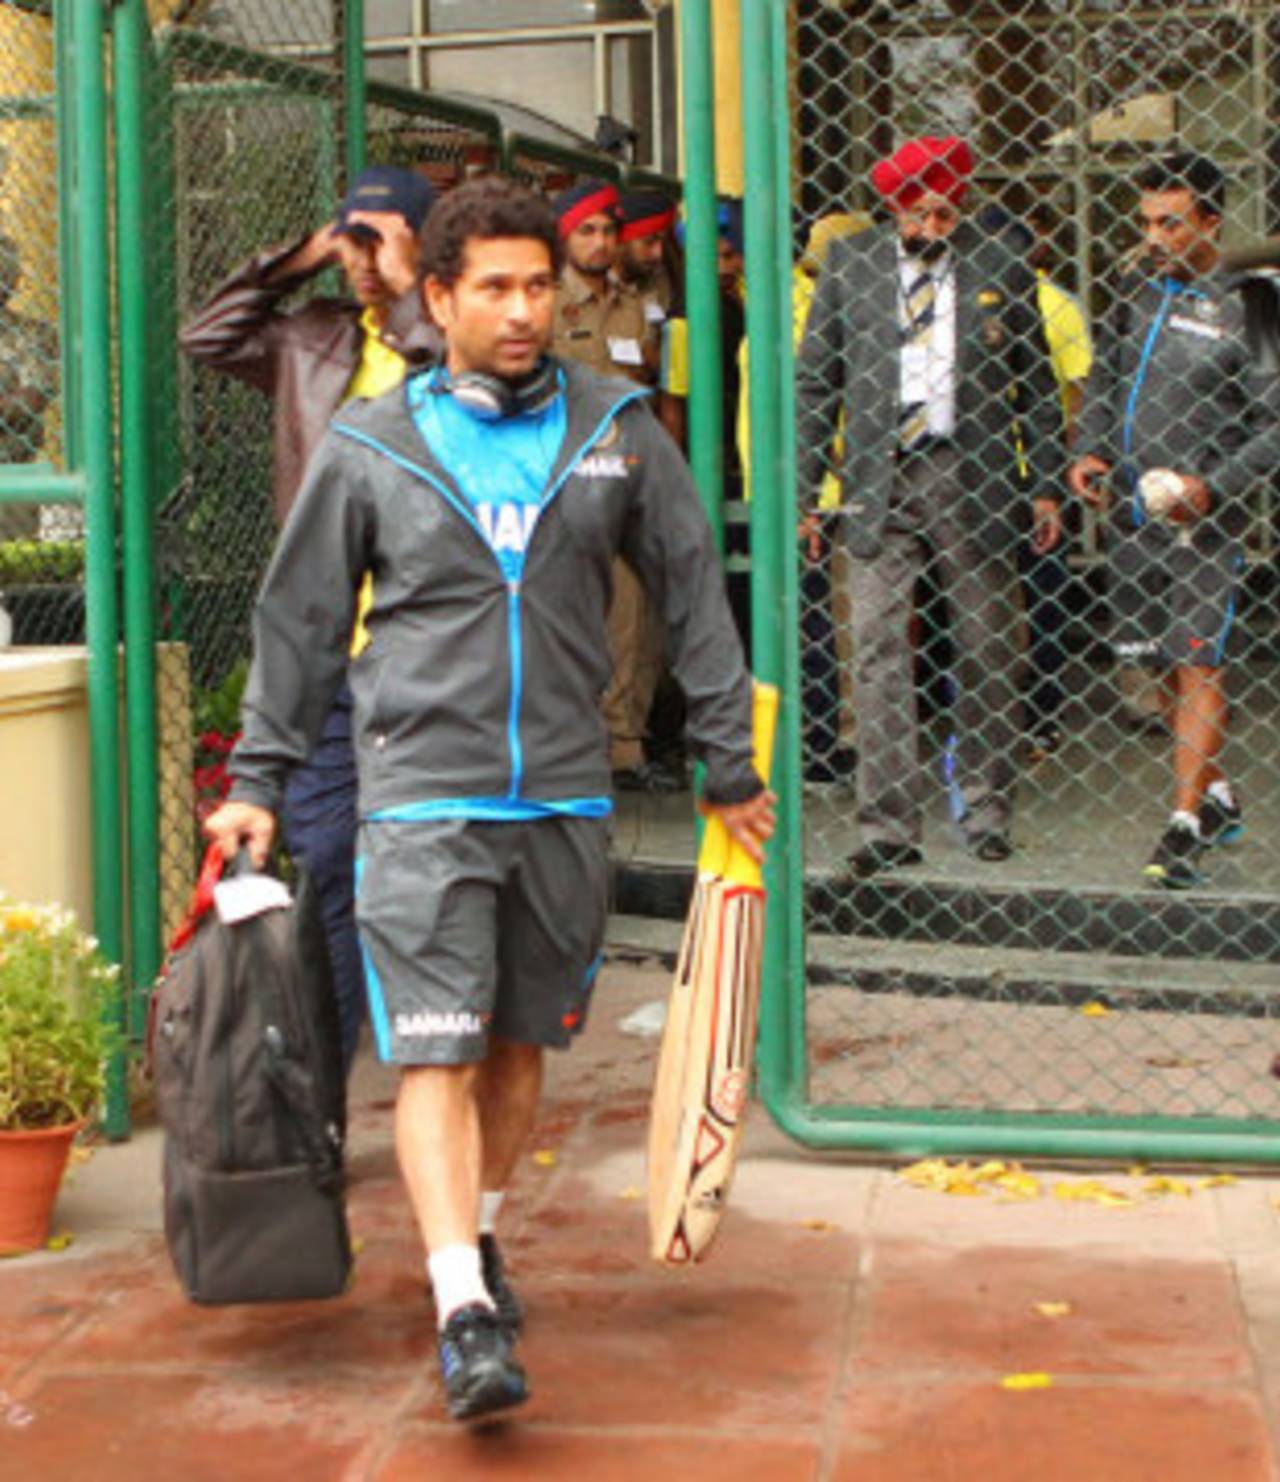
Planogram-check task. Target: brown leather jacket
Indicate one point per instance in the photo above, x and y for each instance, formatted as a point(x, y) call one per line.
point(303, 359)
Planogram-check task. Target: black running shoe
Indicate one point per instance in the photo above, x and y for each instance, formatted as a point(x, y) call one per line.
point(508, 1306)
point(991, 847)
point(480, 1375)
point(649, 777)
point(879, 857)
point(1177, 855)
point(1220, 823)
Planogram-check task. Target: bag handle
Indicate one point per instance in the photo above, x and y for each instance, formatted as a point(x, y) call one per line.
point(201, 902)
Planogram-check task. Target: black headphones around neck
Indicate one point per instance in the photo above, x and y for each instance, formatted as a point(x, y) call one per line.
point(491, 398)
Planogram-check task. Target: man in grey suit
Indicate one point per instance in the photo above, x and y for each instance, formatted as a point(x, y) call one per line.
point(925, 343)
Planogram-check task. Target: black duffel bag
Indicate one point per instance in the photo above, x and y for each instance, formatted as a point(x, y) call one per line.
point(246, 1055)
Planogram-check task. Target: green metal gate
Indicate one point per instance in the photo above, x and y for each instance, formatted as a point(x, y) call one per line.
point(148, 149)
point(1057, 1002)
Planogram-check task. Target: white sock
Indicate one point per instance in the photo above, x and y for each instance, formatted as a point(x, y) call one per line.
point(456, 1279)
point(1180, 819)
point(490, 1204)
point(1220, 791)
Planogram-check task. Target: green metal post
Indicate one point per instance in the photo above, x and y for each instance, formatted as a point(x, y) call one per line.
point(789, 909)
point(353, 86)
point(702, 284)
point(68, 246)
point(89, 219)
point(774, 607)
point(130, 43)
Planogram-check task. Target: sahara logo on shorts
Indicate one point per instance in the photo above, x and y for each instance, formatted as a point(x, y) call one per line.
point(425, 1024)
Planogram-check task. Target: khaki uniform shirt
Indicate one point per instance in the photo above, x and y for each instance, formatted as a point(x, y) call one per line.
point(610, 334)
point(657, 298)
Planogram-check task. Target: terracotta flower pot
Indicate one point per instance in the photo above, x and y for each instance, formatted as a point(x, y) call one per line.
point(31, 1168)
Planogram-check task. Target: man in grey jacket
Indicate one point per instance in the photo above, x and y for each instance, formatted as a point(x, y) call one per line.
point(1182, 422)
point(488, 498)
point(309, 359)
point(925, 336)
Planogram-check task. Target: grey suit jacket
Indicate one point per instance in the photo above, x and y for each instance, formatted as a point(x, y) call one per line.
point(1006, 397)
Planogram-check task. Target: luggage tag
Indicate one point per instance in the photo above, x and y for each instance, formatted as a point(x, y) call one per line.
point(625, 351)
point(242, 897)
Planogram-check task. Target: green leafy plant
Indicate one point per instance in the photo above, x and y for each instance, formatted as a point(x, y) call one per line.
point(40, 562)
point(216, 710)
point(56, 996)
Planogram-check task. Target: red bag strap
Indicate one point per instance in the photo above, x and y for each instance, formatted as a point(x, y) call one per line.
point(201, 902)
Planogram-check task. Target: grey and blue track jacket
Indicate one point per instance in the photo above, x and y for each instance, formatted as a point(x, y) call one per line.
point(1174, 385)
point(480, 688)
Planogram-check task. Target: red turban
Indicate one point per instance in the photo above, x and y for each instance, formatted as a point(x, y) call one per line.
point(929, 166)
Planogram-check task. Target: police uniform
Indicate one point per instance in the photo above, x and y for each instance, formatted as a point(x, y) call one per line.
point(608, 332)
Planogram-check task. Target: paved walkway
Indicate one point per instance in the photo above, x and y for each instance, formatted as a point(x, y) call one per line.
point(848, 1325)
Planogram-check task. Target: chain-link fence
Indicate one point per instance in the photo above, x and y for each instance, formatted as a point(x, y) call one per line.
point(41, 550)
point(1040, 754)
point(248, 150)
point(244, 154)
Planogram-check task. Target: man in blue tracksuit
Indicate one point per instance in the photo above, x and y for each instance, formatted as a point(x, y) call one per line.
point(1175, 395)
point(488, 499)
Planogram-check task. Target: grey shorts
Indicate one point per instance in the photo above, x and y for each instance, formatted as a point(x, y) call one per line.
point(1173, 604)
point(474, 928)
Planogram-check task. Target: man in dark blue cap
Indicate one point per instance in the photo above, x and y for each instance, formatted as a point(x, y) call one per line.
point(310, 360)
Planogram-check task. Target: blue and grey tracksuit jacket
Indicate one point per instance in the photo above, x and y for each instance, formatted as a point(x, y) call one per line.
point(1174, 386)
point(479, 694)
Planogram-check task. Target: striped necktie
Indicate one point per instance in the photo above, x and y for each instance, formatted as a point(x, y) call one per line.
point(919, 303)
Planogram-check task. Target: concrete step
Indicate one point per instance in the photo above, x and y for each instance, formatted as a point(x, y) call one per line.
point(1000, 974)
point(933, 910)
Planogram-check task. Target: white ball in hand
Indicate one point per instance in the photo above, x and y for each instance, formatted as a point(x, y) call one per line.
point(1160, 489)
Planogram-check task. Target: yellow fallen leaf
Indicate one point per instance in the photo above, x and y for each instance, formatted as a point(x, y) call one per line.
point(357, 1244)
point(1159, 1186)
point(1019, 1185)
point(925, 1174)
point(820, 1227)
point(1026, 1381)
point(1091, 1191)
point(1137, 1170)
point(545, 1158)
point(990, 1172)
point(1053, 1309)
point(60, 1241)
point(963, 1188)
point(630, 1193)
point(1218, 1181)
point(1095, 1010)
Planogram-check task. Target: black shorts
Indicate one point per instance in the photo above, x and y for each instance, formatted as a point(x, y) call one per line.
point(1173, 599)
point(476, 928)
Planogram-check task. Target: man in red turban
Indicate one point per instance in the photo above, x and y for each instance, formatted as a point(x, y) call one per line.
point(928, 166)
point(925, 338)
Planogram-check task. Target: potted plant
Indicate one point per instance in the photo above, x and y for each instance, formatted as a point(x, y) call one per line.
point(56, 1032)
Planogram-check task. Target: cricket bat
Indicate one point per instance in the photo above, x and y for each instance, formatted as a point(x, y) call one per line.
point(704, 1065)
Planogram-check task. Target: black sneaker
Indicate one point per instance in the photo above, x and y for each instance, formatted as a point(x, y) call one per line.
point(480, 1375)
point(878, 857)
point(508, 1306)
point(1220, 823)
point(650, 777)
point(990, 847)
point(1174, 862)
point(1045, 741)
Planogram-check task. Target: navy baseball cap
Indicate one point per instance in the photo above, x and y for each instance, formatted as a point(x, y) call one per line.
point(386, 188)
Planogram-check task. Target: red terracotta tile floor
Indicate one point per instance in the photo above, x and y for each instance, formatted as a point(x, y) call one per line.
point(846, 1327)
